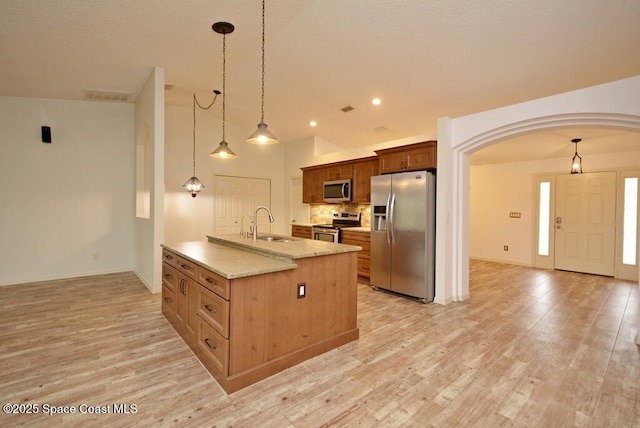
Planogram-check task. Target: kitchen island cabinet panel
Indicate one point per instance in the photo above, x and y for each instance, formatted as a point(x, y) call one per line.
point(329, 318)
point(214, 348)
point(213, 282)
point(214, 310)
point(265, 325)
point(187, 306)
point(278, 324)
point(168, 302)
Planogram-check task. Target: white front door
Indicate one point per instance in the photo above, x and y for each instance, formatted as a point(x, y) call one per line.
point(585, 222)
point(236, 197)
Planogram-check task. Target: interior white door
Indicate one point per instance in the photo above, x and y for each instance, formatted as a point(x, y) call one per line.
point(298, 212)
point(235, 197)
point(585, 222)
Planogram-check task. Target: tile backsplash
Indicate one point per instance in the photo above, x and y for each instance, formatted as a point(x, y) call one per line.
point(322, 214)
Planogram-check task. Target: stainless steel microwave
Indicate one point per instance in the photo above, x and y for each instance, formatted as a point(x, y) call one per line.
point(337, 191)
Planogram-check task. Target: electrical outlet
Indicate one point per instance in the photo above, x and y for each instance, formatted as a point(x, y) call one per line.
point(302, 290)
point(506, 248)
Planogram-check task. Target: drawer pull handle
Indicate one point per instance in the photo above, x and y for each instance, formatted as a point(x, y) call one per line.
point(186, 267)
point(167, 275)
point(167, 299)
point(168, 257)
point(210, 309)
point(209, 344)
point(211, 281)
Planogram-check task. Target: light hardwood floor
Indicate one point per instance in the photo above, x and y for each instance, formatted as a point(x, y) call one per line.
point(529, 348)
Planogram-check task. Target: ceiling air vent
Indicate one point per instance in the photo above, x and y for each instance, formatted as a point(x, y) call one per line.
point(95, 95)
point(346, 109)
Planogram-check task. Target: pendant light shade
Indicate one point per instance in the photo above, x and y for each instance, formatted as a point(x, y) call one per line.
point(193, 185)
point(223, 151)
point(576, 161)
point(262, 135)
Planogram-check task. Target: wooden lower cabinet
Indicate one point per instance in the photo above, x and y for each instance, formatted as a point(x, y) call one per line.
point(361, 239)
point(249, 328)
point(299, 231)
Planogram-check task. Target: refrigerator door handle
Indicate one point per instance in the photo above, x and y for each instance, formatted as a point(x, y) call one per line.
point(392, 207)
point(388, 219)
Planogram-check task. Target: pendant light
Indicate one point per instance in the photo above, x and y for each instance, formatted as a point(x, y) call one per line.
point(223, 150)
point(576, 161)
point(262, 135)
point(193, 185)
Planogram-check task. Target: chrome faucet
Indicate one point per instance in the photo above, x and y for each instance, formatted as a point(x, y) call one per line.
point(255, 220)
point(250, 232)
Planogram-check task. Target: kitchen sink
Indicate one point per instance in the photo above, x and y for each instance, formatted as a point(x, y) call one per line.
point(275, 239)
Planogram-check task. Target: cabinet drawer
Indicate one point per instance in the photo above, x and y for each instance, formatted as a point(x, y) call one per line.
point(169, 277)
point(214, 348)
point(214, 310)
point(186, 266)
point(169, 257)
point(364, 266)
point(214, 282)
point(168, 302)
point(301, 232)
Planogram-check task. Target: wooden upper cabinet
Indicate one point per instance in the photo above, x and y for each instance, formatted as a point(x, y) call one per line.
point(363, 170)
point(413, 157)
point(339, 172)
point(312, 183)
point(358, 170)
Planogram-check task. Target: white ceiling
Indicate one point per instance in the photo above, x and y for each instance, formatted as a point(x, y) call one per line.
point(424, 58)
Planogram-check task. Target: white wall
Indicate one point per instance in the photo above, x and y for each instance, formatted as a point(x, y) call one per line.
point(148, 231)
point(191, 219)
point(67, 207)
point(498, 189)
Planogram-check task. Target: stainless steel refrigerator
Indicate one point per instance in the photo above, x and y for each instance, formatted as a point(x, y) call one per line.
point(403, 233)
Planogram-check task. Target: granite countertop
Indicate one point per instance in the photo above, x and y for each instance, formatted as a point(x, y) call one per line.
point(233, 257)
point(294, 248)
point(228, 261)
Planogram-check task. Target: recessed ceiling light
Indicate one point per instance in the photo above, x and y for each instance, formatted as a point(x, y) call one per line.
point(376, 101)
point(313, 123)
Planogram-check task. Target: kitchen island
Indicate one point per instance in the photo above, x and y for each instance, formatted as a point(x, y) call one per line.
point(252, 308)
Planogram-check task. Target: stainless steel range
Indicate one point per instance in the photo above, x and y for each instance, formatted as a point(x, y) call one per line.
point(331, 232)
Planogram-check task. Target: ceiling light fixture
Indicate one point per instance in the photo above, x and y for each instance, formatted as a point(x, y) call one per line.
point(223, 150)
point(262, 135)
point(193, 185)
point(313, 123)
point(376, 101)
point(576, 161)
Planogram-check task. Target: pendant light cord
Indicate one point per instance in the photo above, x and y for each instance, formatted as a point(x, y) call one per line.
point(194, 133)
point(262, 102)
point(224, 80)
point(196, 102)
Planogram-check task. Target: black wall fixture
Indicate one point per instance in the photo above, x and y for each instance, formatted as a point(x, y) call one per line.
point(46, 134)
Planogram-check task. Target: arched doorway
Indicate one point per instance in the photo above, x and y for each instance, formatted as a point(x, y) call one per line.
point(615, 105)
